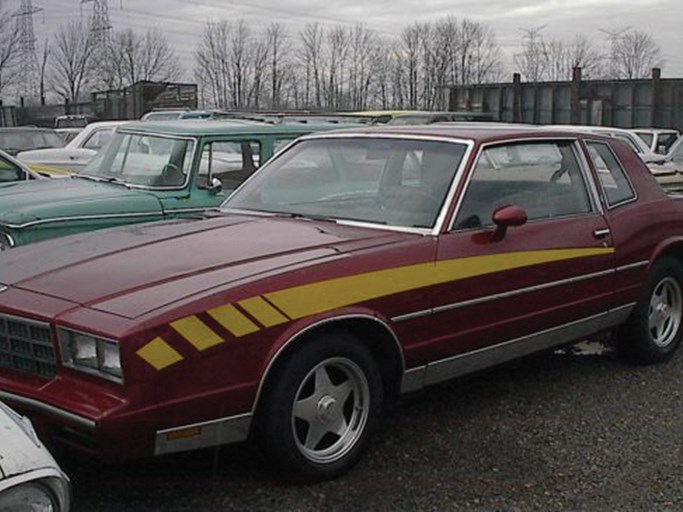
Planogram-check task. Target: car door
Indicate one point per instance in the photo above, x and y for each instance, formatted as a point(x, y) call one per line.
point(527, 287)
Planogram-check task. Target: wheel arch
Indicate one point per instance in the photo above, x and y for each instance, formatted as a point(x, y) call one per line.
point(671, 247)
point(374, 333)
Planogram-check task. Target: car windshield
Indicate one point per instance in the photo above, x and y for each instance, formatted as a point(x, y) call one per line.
point(393, 182)
point(14, 141)
point(143, 160)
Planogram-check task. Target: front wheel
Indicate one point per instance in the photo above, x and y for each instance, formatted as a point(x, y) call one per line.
point(654, 330)
point(324, 402)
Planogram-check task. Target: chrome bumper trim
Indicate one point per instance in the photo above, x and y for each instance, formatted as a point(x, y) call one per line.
point(49, 409)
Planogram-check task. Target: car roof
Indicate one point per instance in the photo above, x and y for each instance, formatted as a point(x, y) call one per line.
point(476, 132)
point(204, 127)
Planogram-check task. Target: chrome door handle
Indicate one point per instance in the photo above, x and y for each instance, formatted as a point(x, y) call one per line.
point(601, 233)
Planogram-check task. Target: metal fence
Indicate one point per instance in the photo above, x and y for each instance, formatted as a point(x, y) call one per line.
point(653, 102)
point(129, 103)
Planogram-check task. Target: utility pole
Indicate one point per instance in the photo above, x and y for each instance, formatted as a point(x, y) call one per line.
point(27, 48)
point(613, 36)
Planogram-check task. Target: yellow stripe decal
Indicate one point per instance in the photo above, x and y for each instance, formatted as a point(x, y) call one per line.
point(309, 299)
point(159, 354)
point(196, 332)
point(266, 314)
point(232, 320)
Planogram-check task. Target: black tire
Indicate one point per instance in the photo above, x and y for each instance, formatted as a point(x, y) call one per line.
point(654, 329)
point(307, 399)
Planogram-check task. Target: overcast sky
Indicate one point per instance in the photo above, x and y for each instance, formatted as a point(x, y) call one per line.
point(182, 21)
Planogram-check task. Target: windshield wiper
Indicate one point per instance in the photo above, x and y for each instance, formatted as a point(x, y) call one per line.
point(87, 177)
point(102, 179)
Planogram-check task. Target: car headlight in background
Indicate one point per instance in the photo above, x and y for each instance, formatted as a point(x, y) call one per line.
point(29, 497)
point(91, 354)
point(6, 241)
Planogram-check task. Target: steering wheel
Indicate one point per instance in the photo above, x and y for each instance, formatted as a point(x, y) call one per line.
point(408, 198)
point(171, 175)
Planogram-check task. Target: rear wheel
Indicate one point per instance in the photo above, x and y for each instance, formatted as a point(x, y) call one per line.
point(324, 403)
point(654, 330)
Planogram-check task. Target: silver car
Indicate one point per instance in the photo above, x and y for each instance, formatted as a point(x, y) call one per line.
point(30, 479)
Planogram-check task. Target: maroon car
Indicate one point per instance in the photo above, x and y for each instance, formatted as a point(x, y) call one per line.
point(353, 267)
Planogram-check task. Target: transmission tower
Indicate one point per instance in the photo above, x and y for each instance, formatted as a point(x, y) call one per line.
point(100, 25)
point(614, 36)
point(28, 85)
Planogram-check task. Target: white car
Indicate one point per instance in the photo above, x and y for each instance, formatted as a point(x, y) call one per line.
point(30, 479)
point(627, 136)
point(659, 140)
point(77, 153)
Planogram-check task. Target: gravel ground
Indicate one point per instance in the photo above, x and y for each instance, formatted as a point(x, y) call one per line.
point(559, 431)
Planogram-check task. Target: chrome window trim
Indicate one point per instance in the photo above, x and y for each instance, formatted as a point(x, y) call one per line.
point(448, 200)
point(294, 337)
point(595, 206)
point(493, 355)
point(50, 409)
point(499, 296)
point(634, 191)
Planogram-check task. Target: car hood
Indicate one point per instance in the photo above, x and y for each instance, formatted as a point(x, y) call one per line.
point(20, 449)
point(133, 270)
point(664, 168)
point(25, 202)
point(53, 155)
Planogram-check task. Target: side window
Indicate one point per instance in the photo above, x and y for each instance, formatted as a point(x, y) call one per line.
point(231, 162)
point(612, 177)
point(98, 139)
point(543, 178)
point(10, 172)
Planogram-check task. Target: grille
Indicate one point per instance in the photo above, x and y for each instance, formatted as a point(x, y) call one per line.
point(26, 346)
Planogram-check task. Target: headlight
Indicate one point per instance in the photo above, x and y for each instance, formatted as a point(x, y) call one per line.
point(6, 241)
point(29, 497)
point(91, 354)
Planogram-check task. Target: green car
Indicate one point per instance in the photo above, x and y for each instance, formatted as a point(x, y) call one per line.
point(149, 171)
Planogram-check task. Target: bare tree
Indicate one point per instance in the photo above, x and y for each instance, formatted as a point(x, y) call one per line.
point(311, 58)
point(9, 51)
point(44, 56)
point(532, 61)
point(364, 61)
point(337, 50)
point(280, 64)
point(143, 57)
point(71, 68)
point(212, 68)
point(636, 53)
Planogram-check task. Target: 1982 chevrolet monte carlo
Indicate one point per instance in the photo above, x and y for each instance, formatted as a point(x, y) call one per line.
point(353, 267)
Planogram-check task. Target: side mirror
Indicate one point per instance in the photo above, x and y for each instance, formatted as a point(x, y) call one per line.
point(505, 217)
point(214, 187)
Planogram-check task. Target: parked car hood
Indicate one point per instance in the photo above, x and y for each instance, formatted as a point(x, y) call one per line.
point(54, 155)
point(20, 449)
point(132, 270)
point(24, 202)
